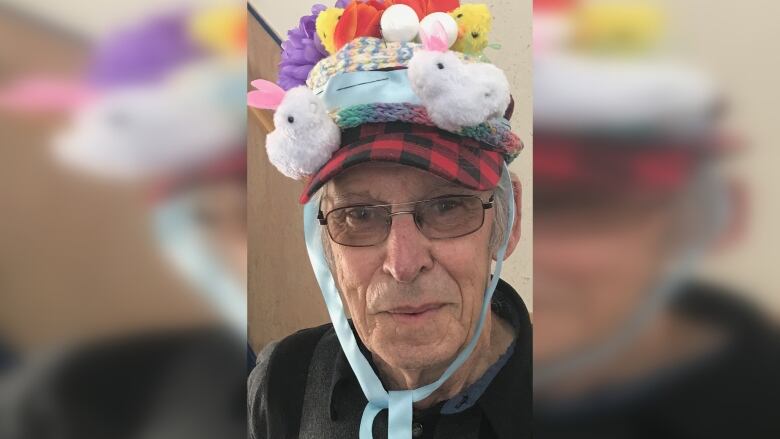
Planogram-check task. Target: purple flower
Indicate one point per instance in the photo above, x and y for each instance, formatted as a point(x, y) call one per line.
point(302, 50)
point(144, 52)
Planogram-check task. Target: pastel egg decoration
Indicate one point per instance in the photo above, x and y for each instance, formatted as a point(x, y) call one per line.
point(399, 23)
point(428, 25)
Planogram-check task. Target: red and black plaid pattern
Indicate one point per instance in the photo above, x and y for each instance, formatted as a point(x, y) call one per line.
point(231, 165)
point(461, 160)
point(615, 164)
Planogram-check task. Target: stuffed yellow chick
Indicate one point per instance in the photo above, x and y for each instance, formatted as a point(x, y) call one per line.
point(474, 24)
point(617, 26)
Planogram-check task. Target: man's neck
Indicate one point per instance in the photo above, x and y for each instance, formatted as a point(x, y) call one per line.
point(494, 340)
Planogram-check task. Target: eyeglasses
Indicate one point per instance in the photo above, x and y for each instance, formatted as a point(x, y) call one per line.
point(450, 216)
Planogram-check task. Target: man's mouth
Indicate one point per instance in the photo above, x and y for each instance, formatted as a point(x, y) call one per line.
point(411, 314)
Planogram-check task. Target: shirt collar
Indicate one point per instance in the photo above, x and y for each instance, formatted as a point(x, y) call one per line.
point(507, 401)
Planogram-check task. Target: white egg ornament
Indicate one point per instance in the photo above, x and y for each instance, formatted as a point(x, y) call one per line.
point(455, 94)
point(428, 25)
point(399, 23)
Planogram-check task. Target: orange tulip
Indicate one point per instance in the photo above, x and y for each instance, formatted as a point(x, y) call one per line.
point(360, 19)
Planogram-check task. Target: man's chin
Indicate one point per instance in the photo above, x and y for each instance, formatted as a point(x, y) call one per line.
point(420, 355)
point(408, 362)
point(416, 342)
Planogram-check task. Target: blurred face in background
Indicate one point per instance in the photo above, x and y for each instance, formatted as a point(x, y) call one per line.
point(596, 256)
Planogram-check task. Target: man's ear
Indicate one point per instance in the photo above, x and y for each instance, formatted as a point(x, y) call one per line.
point(514, 236)
point(738, 214)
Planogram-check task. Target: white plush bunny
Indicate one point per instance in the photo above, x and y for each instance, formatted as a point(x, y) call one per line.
point(455, 94)
point(495, 88)
point(156, 129)
point(304, 137)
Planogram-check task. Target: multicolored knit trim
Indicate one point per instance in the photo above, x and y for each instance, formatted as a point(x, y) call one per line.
point(356, 115)
point(366, 54)
point(497, 134)
point(494, 133)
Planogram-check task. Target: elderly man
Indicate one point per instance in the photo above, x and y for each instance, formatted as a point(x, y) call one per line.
point(403, 222)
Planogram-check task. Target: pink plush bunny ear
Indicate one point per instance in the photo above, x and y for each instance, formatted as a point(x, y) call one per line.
point(267, 96)
point(43, 94)
point(436, 41)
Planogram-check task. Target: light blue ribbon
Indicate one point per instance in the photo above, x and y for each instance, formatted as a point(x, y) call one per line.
point(185, 246)
point(398, 403)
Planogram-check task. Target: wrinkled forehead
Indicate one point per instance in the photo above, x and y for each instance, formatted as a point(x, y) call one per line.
point(388, 183)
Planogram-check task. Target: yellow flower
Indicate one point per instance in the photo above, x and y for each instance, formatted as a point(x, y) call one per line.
point(326, 27)
point(222, 29)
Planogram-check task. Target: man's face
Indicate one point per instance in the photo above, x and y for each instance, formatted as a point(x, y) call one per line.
point(414, 301)
point(595, 257)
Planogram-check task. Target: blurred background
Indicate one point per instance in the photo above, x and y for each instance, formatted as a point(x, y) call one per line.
point(730, 44)
point(77, 221)
point(655, 304)
point(123, 230)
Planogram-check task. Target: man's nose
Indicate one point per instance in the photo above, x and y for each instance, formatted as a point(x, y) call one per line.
point(408, 251)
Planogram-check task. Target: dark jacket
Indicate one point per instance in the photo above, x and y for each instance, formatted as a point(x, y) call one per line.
point(303, 387)
point(733, 392)
point(183, 384)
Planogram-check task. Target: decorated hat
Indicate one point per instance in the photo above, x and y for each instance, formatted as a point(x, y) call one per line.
point(393, 81)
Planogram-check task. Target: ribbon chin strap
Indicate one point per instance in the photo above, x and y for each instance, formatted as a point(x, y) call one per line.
point(398, 403)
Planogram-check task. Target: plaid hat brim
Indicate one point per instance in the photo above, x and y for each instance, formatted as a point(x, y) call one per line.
point(614, 165)
point(459, 159)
